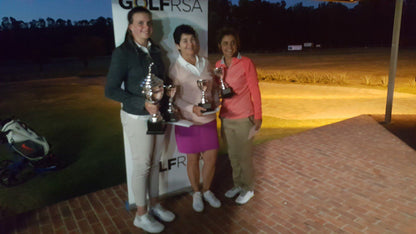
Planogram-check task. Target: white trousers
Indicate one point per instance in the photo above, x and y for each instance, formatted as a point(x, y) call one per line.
point(146, 151)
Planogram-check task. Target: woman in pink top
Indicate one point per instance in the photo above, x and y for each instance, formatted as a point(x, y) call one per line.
point(240, 115)
point(201, 139)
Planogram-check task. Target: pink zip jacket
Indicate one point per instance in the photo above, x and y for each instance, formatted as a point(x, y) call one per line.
point(241, 76)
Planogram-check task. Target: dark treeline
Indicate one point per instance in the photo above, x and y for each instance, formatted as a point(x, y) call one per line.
point(41, 40)
point(269, 26)
point(263, 26)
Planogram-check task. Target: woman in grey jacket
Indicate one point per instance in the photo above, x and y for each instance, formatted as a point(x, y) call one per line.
point(129, 66)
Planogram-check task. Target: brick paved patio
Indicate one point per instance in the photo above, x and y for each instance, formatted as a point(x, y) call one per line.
point(349, 177)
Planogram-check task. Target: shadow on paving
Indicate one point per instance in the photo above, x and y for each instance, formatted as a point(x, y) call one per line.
point(402, 126)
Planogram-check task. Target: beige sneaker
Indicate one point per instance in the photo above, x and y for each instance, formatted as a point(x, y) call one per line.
point(211, 199)
point(232, 192)
point(161, 213)
point(244, 197)
point(148, 223)
point(197, 203)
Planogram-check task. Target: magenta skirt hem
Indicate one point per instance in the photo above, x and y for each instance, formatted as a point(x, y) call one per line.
point(197, 138)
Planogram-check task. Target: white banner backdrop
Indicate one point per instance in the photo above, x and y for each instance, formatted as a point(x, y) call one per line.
point(167, 15)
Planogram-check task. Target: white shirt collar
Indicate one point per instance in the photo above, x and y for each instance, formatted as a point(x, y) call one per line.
point(143, 48)
point(238, 56)
point(196, 69)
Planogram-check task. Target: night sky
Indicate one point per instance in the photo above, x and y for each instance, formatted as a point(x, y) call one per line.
point(75, 10)
point(27, 10)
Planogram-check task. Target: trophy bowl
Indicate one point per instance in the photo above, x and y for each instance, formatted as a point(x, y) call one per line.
point(172, 115)
point(153, 90)
point(203, 86)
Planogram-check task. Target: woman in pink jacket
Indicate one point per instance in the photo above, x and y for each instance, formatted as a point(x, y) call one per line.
point(240, 115)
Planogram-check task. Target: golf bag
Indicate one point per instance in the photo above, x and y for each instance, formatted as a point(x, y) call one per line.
point(28, 148)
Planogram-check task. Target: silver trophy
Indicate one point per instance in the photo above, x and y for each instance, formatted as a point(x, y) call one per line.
point(172, 115)
point(226, 92)
point(203, 86)
point(153, 90)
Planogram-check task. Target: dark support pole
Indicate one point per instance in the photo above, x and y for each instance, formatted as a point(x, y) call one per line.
point(393, 58)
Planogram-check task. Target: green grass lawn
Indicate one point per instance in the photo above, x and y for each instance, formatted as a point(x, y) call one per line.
point(275, 128)
point(84, 131)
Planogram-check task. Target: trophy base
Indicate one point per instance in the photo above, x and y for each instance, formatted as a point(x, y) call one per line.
point(227, 93)
point(207, 106)
point(172, 117)
point(157, 128)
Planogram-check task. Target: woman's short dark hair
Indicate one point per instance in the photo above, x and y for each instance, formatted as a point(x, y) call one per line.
point(133, 11)
point(182, 29)
point(227, 31)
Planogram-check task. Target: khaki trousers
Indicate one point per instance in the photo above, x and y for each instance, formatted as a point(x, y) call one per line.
point(235, 133)
point(146, 151)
